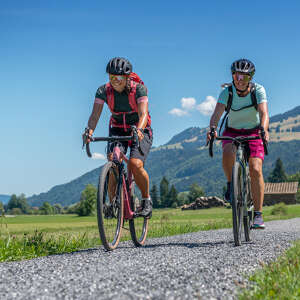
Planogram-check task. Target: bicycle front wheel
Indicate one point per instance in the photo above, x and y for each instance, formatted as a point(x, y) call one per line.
point(248, 209)
point(237, 202)
point(139, 225)
point(110, 206)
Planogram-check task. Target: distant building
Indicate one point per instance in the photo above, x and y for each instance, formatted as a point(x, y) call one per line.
point(280, 192)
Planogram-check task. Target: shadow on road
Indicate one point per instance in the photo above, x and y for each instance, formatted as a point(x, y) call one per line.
point(189, 245)
point(129, 246)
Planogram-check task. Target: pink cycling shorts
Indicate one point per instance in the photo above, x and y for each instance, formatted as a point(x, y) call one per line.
point(256, 146)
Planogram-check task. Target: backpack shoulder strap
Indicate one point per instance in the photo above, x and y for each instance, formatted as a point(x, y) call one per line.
point(131, 96)
point(110, 96)
point(228, 106)
point(253, 95)
point(230, 97)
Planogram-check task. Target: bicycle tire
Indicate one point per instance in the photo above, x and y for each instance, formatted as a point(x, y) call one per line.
point(237, 203)
point(110, 213)
point(248, 210)
point(139, 225)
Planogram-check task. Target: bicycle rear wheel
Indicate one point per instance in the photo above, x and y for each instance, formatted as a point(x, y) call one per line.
point(139, 225)
point(237, 202)
point(110, 206)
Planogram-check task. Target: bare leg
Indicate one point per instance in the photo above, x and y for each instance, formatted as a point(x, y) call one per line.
point(112, 183)
point(257, 182)
point(140, 175)
point(228, 160)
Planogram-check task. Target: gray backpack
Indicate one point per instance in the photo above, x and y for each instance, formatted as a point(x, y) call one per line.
point(229, 103)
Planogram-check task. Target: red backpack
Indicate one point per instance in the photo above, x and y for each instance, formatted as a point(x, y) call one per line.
point(135, 80)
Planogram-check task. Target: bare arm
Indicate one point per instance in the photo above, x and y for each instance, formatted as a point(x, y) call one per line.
point(264, 117)
point(94, 118)
point(143, 114)
point(214, 120)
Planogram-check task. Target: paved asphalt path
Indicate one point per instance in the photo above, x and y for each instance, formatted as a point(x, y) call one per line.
point(201, 265)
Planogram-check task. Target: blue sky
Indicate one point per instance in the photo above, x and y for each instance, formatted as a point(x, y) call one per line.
point(54, 53)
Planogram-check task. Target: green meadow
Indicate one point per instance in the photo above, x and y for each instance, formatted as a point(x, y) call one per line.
point(28, 236)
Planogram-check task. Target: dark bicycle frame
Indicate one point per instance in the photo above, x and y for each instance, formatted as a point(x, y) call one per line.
point(117, 159)
point(242, 157)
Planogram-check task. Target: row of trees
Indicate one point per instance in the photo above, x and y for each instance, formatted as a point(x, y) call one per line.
point(168, 196)
point(18, 205)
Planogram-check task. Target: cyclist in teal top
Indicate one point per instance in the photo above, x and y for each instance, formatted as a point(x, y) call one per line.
point(248, 116)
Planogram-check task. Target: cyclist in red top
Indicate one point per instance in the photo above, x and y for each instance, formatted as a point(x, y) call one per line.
point(127, 100)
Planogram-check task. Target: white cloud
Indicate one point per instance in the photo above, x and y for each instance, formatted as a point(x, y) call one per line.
point(188, 103)
point(178, 112)
point(207, 106)
point(98, 156)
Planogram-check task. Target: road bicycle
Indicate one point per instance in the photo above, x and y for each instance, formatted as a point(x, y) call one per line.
point(240, 191)
point(117, 203)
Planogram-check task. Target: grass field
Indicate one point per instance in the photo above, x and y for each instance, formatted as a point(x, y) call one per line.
point(277, 280)
point(67, 233)
point(72, 224)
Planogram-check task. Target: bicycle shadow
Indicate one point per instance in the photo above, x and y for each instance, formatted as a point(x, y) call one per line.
point(188, 245)
point(230, 243)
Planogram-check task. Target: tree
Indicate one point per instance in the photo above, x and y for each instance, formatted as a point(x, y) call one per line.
point(57, 208)
point(71, 209)
point(16, 211)
point(13, 202)
point(87, 204)
point(1, 209)
point(294, 177)
point(182, 198)
point(154, 196)
point(195, 192)
point(278, 173)
point(46, 209)
point(18, 202)
point(24, 206)
point(172, 197)
point(164, 191)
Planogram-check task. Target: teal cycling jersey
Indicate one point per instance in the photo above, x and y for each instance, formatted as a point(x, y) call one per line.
point(243, 118)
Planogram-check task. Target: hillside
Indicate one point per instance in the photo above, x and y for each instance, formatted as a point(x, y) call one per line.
point(289, 114)
point(67, 193)
point(185, 160)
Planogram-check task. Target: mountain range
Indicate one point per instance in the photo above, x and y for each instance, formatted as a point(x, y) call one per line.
point(184, 160)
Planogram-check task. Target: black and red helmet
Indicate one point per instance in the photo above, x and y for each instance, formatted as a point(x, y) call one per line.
point(119, 66)
point(243, 65)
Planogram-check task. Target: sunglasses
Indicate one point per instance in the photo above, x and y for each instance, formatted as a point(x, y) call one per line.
point(117, 77)
point(241, 77)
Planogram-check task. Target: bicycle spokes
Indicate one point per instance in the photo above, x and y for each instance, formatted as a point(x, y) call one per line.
point(237, 202)
point(138, 225)
point(109, 207)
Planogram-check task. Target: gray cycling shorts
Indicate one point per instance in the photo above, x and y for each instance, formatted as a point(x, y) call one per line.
point(145, 143)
